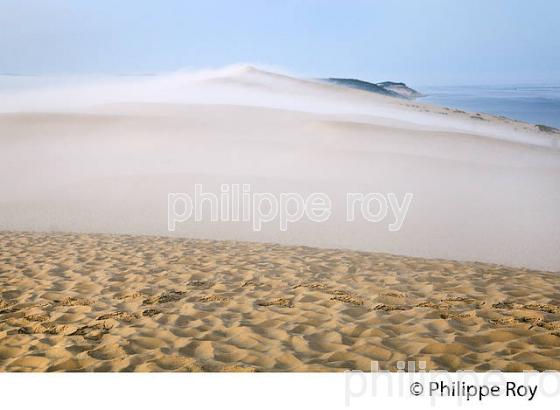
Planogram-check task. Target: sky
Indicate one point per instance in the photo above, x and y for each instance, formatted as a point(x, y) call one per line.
point(421, 42)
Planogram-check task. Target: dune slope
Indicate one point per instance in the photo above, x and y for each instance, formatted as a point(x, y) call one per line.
point(102, 157)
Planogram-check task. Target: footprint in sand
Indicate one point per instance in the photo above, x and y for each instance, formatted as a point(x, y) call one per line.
point(37, 317)
point(465, 300)
point(72, 301)
point(549, 325)
point(432, 305)
point(390, 308)
point(543, 307)
point(281, 302)
point(165, 297)
point(119, 315)
point(151, 312)
point(503, 321)
point(213, 298)
point(540, 307)
point(92, 332)
point(346, 297)
point(312, 285)
point(507, 305)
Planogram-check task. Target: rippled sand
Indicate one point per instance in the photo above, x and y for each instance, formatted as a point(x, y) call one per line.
point(125, 303)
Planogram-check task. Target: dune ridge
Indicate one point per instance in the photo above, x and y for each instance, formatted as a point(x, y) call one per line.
point(246, 85)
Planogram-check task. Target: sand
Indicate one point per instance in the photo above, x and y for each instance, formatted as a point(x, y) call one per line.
point(84, 302)
point(102, 155)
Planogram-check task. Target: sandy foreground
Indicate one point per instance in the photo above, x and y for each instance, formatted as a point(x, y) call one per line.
point(140, 303)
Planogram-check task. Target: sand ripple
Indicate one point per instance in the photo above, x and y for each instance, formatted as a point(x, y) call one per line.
point(71, 302)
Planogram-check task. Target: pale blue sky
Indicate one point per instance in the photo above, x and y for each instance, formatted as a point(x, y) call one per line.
point(422, 42)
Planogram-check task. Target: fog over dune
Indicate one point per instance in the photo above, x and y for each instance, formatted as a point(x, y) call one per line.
point(101, 154)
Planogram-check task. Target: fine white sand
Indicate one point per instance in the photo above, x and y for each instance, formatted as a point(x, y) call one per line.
point(102, 157)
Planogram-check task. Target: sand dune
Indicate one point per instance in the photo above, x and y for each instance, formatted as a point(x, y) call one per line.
point(102, 157)
point(122, 303)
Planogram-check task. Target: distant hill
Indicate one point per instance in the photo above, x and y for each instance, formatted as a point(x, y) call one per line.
point(389, 88)
point(401, 89)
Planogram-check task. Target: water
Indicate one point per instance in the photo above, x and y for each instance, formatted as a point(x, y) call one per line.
point(532, 104)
